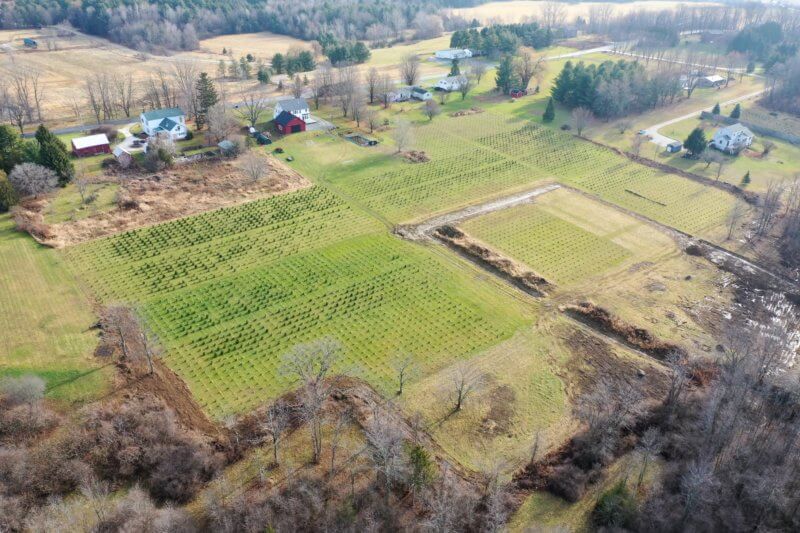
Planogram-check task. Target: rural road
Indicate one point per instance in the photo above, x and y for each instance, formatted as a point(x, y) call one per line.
point(663, 140)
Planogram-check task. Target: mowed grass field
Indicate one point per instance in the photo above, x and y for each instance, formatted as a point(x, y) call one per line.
point(46, 320)
point(229, 292)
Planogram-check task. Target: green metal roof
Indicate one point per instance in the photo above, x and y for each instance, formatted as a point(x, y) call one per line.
point(158, 114)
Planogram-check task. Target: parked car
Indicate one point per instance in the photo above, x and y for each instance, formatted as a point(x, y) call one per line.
point(262, 139)
point(517, 93)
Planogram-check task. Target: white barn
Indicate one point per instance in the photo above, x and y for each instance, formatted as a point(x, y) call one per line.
point(296, 106)
point(453, 53)
point(170, 121)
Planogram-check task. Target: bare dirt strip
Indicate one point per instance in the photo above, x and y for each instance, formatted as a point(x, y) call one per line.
point(424, 230)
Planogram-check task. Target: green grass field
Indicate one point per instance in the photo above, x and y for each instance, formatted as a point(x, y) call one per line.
point(229, 292)
point(46, 320)
point(560, 251)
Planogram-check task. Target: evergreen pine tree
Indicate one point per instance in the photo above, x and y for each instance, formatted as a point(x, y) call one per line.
point(53, 155)
point(263, 75)
point(563, 83)
point(505, 75)
point(455, 70)
point(746, 179)
point(550, 111)
point(715, 111)
point(737, 111)
point(11, 151)
point(696, 142)
point(278, 63)
point(206, 97)
point(7, 195)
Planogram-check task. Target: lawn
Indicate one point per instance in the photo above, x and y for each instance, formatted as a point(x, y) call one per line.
point(228, 292)
point(46, 320)
point(781, 164)
point(67, 203)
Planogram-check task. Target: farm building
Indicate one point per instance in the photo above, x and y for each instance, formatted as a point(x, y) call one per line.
point(295, 106)
point(450, 83)
point(711, 81)
point(453, 53)
point(674, 147)
point(123, 157)
point(91, 145)
point(732, 139)
point(288, 123)
point(171, 121)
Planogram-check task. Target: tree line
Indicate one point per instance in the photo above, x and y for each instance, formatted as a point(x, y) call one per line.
point(614, 89)
point(502, 38)
point(160, 25)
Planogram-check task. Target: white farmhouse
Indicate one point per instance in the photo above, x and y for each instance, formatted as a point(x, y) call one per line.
point(450, 83)
point(171, 121)
point(454, 53)
point(732, 139)
point(296, 106)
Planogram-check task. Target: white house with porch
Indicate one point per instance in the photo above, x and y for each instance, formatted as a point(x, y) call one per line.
point(732, 139)
point(170, 121)
point(296, 106)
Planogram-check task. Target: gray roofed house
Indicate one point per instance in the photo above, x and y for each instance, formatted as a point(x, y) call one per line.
point(733, 139)
point(296, 106)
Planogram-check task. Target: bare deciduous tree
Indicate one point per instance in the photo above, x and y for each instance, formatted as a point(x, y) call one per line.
point(275, 426)
point(649, 447)
point(30, 179)
point(581, 119)
point(465, 380)
point(735, 217)
point(386, 450)
point(404, 366)
point(403, 135)
point(409, 69)
point(373, 79)
point(220, 123)
point(431, 109)
point(553, 14)
point(125, 92)
point(253, 165)
point(252, 107)
point(309, 365)
point(23, 390)
point(527, 67)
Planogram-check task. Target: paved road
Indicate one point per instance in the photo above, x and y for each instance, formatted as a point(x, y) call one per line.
point(663, 140)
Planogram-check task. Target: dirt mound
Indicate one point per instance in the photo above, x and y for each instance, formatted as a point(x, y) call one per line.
point(415, 156)
point(634, 336)
point(466, 112)
point(505, 267)
point(147, 199)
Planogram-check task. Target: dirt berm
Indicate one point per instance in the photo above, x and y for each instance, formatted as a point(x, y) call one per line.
point(491, 260)
point(636, 337)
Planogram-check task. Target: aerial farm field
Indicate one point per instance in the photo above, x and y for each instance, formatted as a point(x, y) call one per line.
point(230, 291)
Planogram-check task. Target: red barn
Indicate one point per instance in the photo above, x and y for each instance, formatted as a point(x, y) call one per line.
point(90, 145)
point(288, 123)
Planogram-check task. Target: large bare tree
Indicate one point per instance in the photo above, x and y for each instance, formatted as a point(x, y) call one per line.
point(409, 69)
point(252, 107)
point(309, 365)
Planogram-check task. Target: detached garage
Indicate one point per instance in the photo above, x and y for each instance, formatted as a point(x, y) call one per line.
point(288, 123)
point(90, 145)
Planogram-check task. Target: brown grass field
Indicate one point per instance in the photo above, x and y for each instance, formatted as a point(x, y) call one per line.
point(521, 10)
